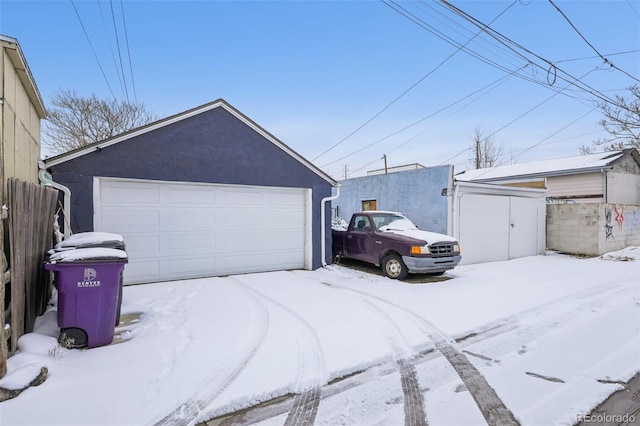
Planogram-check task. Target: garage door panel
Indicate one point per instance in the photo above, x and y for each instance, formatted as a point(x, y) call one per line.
point(141, 245)
point(129, 219)
point(127, 195)
point(191, 242)
point(287, 239)
point(142, 271)
point(240, 242)
point(179, 231)
point(239, 218)
point(188, 219)
point(201, 196)
point(292, 218)
point(285, 199)
point(188, 267)
point(240, 197)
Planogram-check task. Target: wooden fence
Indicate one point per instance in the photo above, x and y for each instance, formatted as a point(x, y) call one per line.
point(31, 218)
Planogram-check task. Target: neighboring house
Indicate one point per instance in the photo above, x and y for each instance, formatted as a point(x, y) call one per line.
point(30, 207)
point(203, 193)
point(593, 200)
point(491, 222)
point(21, 111)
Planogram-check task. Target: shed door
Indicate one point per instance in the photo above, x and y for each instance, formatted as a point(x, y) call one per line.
point(497, 227)
point(484, 228)
point(186, 230)
point(524, 225)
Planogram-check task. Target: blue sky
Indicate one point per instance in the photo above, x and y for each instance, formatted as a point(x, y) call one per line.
point(313, 72)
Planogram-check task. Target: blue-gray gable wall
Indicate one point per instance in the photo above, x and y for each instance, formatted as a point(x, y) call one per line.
point(416, 193)
point(211, 147)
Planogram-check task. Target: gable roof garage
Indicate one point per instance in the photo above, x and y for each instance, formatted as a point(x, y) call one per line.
point(203, 193)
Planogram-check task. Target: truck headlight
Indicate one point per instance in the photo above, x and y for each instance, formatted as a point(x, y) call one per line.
point(456, 248)
point(420, 250)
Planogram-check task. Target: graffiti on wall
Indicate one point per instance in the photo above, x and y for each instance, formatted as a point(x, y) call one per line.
point(633, 220)
point(619, 217)
point(608, 229)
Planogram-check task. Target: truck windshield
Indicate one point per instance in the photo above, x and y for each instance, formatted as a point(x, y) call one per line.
point(393, 222)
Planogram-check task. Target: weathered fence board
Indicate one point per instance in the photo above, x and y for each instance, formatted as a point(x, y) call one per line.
point(31, 215)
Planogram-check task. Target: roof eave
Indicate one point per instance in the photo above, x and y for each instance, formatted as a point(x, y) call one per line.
point(62, 158)
point(545, 174)
point(24, 73)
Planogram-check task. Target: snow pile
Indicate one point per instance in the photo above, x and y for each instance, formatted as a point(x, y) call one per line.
point(339, 224)
point(91, 239)
point(91, 253)
point(624, 255)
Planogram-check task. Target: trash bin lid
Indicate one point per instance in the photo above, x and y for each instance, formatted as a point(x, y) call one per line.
point(91, 239)
point(89, 254)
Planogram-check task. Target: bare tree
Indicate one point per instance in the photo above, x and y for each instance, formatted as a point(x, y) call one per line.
point(622, 122)
point(485, 152)
point(75, 121)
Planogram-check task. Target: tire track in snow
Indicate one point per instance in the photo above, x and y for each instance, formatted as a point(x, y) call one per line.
point(189, 411)
point(414, 412)
point(311, 372)
point(490, 405)
point(514, 329)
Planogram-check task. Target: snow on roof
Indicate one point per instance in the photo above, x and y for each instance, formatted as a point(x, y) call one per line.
point(567, 165)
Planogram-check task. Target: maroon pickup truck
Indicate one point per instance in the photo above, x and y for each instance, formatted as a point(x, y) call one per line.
point(390, 240)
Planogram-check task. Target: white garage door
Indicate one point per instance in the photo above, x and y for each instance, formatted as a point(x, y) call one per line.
point(185, 230)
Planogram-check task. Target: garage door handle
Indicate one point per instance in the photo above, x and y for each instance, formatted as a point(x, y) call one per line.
point(512, 225)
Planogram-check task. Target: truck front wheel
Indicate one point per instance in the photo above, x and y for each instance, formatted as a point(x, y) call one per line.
point(394, 268)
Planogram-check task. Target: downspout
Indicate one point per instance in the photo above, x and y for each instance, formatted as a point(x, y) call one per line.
point(454, 209)
point(46, 180)
point(323, 227)
point(604, 186)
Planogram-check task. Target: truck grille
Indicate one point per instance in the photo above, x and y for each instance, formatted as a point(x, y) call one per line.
point(441, 249)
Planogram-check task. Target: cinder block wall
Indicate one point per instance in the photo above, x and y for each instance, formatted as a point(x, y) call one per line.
point(618, 226)
point(592, 229)
point(573, 228)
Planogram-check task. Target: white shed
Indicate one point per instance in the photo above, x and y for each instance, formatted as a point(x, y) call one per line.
point(494, 222)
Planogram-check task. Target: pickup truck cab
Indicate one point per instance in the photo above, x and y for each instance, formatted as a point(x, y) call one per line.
point(390, 240)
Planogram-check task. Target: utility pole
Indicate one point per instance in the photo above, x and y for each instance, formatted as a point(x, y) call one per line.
point(384, 157)
point(345, 171)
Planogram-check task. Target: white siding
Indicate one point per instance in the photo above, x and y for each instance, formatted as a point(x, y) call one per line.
point(577, 186)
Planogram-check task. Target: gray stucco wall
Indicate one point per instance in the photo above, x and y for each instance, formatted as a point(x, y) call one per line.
point(211, 147)
point(416, 193)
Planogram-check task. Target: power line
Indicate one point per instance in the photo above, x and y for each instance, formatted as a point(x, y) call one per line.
point(513, 121)
point(407, 90)
point(605, 60)
point(494, 84)
point(595, 57)
point(92, 49)
point(126, 37)
point(552, 69)
point(113, 55)
point(115, 30)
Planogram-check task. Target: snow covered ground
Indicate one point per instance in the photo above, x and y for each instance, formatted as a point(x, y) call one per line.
point(543, 338)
